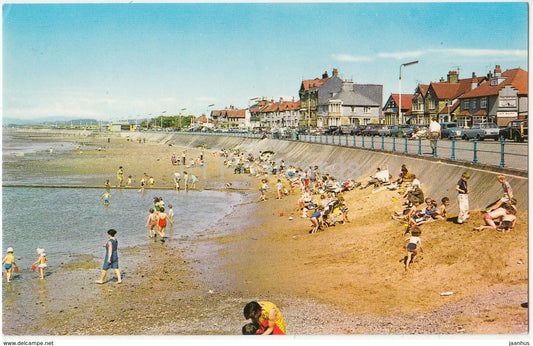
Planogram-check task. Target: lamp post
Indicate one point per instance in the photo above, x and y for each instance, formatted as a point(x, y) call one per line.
point(400, 116)
point(162, 119)
point(181, 110)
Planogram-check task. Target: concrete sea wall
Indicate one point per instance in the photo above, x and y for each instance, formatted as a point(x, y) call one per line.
point(438, 177)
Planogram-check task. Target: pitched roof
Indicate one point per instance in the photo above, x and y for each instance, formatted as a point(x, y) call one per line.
point(423, 88)
point(235, 113)
point(517, 78)
point(450, 109)
point(314, 83)
point(202, 119)
point(406, 100)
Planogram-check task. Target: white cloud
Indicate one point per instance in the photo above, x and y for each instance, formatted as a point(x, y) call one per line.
point(403, 55)
point(483, 52)
point(350, 58)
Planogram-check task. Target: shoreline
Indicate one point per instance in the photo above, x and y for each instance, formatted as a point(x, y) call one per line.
point(238, 266)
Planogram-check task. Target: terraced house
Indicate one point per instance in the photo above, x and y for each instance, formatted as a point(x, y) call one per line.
point(441, 100)
point(231, 117)
point(502, 99)
point(277, 114)
point(332, 101)
point(390, 109)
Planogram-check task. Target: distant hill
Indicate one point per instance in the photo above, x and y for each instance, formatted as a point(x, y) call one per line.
point(58, 121)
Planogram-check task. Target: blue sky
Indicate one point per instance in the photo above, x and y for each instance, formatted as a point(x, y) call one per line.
point(119, 61)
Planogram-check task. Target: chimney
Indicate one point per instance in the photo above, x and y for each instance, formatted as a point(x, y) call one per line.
point(453, 77)
point(474, 81)
point(325, 75)
point(281, 99)
point(335, 72)
point(497, 71)
point(441, 80)
point(347, 85)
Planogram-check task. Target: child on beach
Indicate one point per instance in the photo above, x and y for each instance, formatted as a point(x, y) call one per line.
point(441, 210)
point(413, 244)
point(151, 222)
point(41, 263)
point(162, 223)
point(143, 181)
point(263, 189)
point(130, 180)
point(280, 189)
point(170, 213)
point(9, 263)
point(151, 181)
point(343, 208)
point(316, 219)
point(177, 178)
point(106, 196)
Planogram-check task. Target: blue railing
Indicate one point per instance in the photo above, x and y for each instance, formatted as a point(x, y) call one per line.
point(468, 151)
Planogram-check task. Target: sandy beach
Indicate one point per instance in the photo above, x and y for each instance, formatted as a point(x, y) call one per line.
point(349, 279)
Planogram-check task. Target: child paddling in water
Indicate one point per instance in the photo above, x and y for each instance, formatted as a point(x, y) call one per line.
point(41, 263)
point(9, 263)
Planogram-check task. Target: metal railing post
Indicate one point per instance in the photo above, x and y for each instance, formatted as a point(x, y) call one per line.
point(326, 138)
point(405, 147)
point(346, 139)
point(453, 149)
point(372, 142)
point(393, 143)
point(382, 142)
point(339, 139)
point(354, 141)
point(502, 161)
point(475, 151)
point(363, 141)
point(320, 139)
point(419, 145)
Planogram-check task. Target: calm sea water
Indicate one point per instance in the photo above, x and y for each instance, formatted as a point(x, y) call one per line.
point(67, 221)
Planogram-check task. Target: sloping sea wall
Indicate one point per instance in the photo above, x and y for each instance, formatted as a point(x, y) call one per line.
point(438, 177)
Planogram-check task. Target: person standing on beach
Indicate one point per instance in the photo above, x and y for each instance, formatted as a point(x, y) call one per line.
point(41, 263)
point(151, 222)
point(162, 223)
point(9, 263)
point(260, 312)
point(462, 188)
point(177, 178)
point(111, 257)
point(120, 176)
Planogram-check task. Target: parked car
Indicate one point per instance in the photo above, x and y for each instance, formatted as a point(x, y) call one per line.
point(450, 130)
point(407, 130)
point(358, 129)
point(303, 131)
point(385, 130)
point(370, 130)
point(481, 131)
point(516, 129)
point(347, 129)
point(332, 130)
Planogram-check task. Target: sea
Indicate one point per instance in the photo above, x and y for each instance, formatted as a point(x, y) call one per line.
point(74, 221)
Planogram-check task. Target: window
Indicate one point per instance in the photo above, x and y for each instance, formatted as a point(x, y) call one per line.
point(474, 104)
point(431, 104)
point(507, 101)
point(466, 104)
point(483, 103)
point(366, 109)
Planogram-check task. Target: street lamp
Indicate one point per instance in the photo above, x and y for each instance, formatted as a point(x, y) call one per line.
point(400, 117)
point(181, 110)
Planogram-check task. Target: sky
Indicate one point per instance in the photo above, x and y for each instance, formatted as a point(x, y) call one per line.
point(123, 61)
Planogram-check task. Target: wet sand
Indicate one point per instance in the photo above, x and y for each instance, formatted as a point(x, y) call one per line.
point(346, 280)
